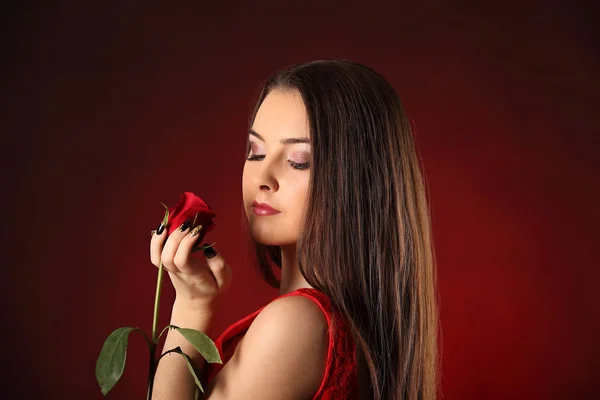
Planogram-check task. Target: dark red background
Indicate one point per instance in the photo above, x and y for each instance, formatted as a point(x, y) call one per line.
point(109, 110)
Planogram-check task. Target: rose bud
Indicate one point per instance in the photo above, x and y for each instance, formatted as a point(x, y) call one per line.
point(194, 208)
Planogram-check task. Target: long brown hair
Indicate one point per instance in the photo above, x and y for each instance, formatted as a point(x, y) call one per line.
point(367, 201)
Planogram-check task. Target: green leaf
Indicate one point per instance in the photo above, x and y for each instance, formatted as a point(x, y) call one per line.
point(191, 366)
point(111, 361)
point(201, 342)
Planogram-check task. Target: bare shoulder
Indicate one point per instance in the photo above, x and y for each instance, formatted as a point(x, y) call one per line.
point(298, 313)
point(282, 356)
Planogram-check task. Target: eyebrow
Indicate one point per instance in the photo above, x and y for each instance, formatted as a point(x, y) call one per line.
point(282, 141)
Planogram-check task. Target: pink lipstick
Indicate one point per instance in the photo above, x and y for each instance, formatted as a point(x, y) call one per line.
point(263, 209)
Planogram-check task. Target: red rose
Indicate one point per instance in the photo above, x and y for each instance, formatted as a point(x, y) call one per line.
point(191, 207)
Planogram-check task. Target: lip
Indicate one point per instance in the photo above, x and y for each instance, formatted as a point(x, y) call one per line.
point(263, 209)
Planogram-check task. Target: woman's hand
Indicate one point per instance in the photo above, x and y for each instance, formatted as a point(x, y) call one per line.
point(195, 282)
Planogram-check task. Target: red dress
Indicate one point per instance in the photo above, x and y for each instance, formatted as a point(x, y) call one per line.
point(339, 380)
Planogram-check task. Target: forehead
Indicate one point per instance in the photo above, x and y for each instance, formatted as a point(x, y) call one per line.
point(282, 114)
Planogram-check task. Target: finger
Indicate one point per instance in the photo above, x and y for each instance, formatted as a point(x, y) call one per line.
point(165, 268)
point(183, 259)
point(170, 250)
point(161, 241)
point(220, 269)
point(157, 243)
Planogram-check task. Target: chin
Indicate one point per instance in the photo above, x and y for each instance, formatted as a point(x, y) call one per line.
point(268, 236)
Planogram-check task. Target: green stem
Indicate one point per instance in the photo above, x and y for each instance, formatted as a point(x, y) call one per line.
point(151, 371)
point(175, 350)
point(161, 332)
point(152, 366)
point(156, 301)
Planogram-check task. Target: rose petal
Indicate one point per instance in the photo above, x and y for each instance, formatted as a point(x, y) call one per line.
point(188, 207)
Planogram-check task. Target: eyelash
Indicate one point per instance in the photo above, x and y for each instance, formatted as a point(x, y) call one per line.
point(295, 165)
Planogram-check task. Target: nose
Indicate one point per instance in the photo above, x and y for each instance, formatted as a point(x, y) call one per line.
point(266, 178)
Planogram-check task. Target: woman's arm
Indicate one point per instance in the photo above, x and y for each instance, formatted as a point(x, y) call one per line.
point(283, 355)
point(173, 380)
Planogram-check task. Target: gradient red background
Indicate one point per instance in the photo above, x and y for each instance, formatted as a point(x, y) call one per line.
point(109, 110)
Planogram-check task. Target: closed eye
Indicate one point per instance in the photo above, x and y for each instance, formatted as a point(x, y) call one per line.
point(294, 165)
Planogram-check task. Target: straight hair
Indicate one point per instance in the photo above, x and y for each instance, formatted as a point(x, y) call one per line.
point(367, 200)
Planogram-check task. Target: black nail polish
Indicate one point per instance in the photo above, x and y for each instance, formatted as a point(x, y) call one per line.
point(185, 225)
point(209, 252)
point(160, 229)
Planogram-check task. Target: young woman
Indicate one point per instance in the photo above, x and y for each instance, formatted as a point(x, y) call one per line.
point(336, 203)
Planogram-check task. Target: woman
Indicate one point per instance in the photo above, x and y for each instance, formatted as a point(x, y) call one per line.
point(334, 200)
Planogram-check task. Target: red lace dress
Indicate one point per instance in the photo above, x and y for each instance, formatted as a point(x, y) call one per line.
point(339, 380)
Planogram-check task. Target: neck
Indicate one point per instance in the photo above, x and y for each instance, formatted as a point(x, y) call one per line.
point(291, 278)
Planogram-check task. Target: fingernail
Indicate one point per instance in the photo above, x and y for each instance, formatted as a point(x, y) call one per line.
point(209, 252)
point(152, 233)
point(196, 230)
point(160, 229)
point(185, 225)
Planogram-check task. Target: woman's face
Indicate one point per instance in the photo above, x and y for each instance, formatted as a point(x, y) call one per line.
point(280, 173)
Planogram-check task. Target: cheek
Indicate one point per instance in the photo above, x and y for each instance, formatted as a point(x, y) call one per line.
point(300, 196)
